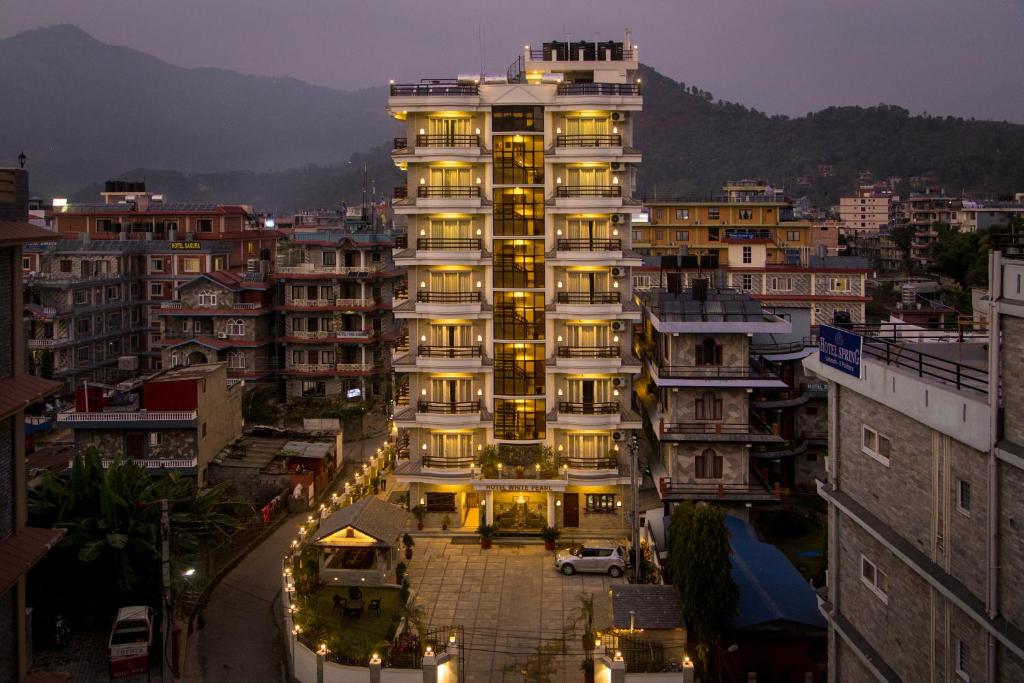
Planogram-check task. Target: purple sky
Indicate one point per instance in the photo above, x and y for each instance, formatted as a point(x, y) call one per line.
point(958, 57)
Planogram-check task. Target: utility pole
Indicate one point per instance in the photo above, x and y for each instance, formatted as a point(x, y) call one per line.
point(635, 504)
point(165, 561)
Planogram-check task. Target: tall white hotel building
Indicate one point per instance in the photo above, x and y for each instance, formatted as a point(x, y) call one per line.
point(519, 305)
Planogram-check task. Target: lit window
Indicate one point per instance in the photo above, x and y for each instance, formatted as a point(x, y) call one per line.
point(874, 578)
point(682, 214)
point(839, 284)
point(191, 264)
point(876, 445)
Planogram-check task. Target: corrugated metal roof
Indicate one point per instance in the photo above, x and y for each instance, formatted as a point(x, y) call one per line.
point(12, 232)
point(23, 390)
point(653, 606)
point(22, 551)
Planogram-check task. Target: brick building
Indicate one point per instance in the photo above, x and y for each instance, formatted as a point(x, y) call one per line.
point(177, 419)
point(222, 317)
point(925, 540)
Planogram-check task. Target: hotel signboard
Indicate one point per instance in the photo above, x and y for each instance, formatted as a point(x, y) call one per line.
point(840, 349)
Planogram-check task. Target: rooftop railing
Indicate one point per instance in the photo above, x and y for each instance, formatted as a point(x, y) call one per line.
point(128, 416)
point(439, 87)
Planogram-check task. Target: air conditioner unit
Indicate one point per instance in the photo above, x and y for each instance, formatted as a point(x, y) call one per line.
point(618, 272)
point(252, 265)
point(617, 382)
point(618, 326)
point(618, 436)
point(616, 218)
point(618, 166)
point(619, 116)
point(222, 335)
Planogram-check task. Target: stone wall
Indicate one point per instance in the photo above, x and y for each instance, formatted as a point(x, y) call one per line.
point(1011, 358)
point(680, 406)
point(680, 461)
point(735, 347)
point(1011, 541)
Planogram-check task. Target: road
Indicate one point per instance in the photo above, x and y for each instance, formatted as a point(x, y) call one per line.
point(240, 640)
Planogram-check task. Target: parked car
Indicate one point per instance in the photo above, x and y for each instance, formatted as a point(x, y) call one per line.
point(131, 640)
point(591, 557)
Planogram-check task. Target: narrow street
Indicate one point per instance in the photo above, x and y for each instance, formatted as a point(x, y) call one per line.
point(240, 640)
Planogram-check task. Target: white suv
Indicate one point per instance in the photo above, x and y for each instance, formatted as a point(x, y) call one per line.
point(596, 558)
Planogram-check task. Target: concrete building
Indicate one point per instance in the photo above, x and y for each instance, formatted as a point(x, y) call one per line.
point(868, 212)
point(177, 419)
point(977, 215)
point(746, 212)
point(925, 540)
point(700, 375)
point(336, 288)
point(21, 546)
point(519, 305)
point(882, 254)
point(222, 317)
point(130, 212)
point(96, 304)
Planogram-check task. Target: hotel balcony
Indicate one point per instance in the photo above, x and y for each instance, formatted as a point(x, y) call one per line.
point(430, 251)
point(433, 94)
point(313, 270)
point(433, 147)
point(588, 305)
point(432, 198)
point(332, 304)
point(753, 431)
point(756, 491)
point(590, 250)
point(593, 359)
point(327, 336)
point(433, 304)
point(442, 414)
point(588, 198)
point(593, 415)
point(65, 280)
point(600, 95)
point(583, 148)
point(334, 369)
point(432, 358)
point(714, 376)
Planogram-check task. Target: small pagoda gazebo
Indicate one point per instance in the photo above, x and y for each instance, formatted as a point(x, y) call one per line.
point(359, 544)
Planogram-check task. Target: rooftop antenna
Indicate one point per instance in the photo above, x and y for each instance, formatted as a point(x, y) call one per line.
point(480, 43)
point(364, 190)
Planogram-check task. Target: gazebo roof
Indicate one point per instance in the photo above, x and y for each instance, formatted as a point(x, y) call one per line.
point(382, 522)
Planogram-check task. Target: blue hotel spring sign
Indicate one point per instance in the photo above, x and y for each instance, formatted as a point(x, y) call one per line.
point(840, 349)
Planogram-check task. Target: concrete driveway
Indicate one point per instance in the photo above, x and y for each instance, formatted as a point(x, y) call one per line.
point(514, 606)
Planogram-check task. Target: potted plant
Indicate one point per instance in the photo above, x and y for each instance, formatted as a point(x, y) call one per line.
point(486, 532)
point(445, 521)
point(408, 543)
point(400, 572)
point(419, 512)
point(550, 534)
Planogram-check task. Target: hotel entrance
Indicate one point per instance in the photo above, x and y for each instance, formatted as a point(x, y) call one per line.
point(521, 511)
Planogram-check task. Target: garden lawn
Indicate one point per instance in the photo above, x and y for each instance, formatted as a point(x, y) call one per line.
point(349, 637)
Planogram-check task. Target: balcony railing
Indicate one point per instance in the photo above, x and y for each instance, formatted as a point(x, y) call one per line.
point(582, 140)
point(400, 143)
point(314, 268)
point(177, 305)
point(442, 140)
point(133, 416)
point(588, 351)
point(588, 298)
point(448, 408)
point(43, 343)
point(449, 243)
point(706, 428)
point(713, 372)
point(710, 489)
point(401, 241)
point(585, 463)
point(401, 192)
point(446, 462)
point(432, 297)
point(589, 244)
point(450, 351)
point(588, 191)
point(448, 191)
point(441, 87)
point(582, 51)
point(614, 89)
point(588, 408)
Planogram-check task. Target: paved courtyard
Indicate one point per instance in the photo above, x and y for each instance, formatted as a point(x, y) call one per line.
point(513, 605)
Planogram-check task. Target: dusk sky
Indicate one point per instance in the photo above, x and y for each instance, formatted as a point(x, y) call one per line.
point(959, 57)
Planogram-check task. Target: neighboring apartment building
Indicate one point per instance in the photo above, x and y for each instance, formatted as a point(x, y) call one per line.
point(923, 212)
point(700, 377)
point(979, 215)
point(816, 289)
point(222, 317)
point(95, 304)
point(519, 303)
point(868, 212)
point(177, 419)
point(21, 546)
point(747, 211)
point(882, 254)
point(924, 523)
point(129, 212)
point(336, 289)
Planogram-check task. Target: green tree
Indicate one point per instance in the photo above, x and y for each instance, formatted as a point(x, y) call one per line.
point(698, 545)
point(962, 256)
point(112, 520)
